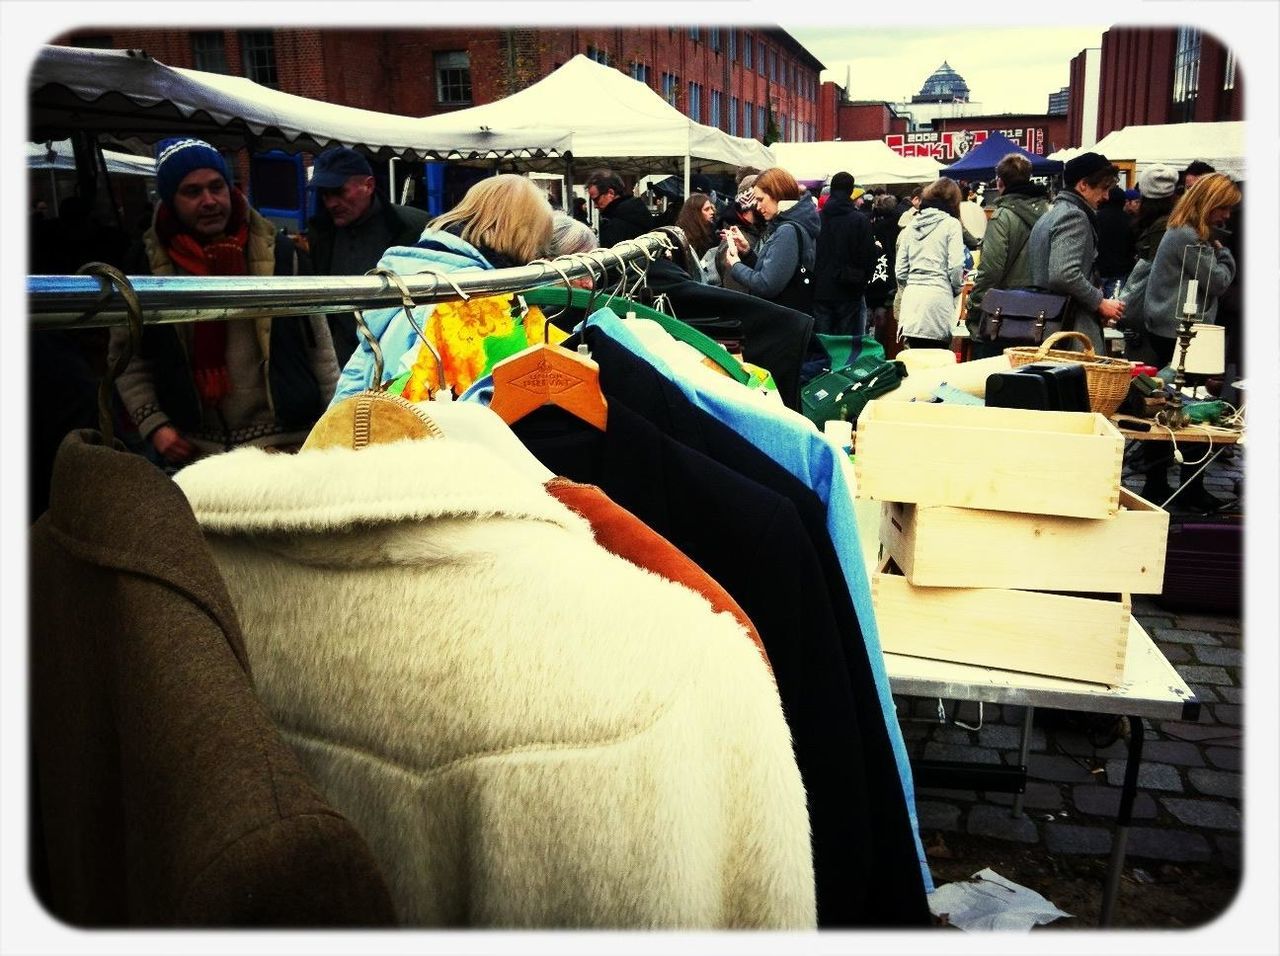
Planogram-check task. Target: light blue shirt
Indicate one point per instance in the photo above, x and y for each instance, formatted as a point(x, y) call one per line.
point(809, 457)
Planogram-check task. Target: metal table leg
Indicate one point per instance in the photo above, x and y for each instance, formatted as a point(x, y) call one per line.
point(1024, 749)
point(1123, 819)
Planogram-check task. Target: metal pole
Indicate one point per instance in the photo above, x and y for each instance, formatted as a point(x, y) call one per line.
point(1124, 817)
point(56, 302)
point(1024, 750)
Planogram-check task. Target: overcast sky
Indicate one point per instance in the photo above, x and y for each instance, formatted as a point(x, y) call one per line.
point(1009, 70)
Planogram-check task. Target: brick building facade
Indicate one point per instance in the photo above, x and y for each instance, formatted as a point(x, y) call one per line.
point(1156, 76)
point(748, 82)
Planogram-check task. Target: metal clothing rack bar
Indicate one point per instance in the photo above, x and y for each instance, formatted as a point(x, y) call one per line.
point(71, 301)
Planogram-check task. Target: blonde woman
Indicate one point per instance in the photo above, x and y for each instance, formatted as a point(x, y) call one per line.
point(1202, 210)
point(502, 221)
point(929, 265)
point(1189, 249)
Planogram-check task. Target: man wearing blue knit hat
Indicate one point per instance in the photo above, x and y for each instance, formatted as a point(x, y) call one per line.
point(209, 386)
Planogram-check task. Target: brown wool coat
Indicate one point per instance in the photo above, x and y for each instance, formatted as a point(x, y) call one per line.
point(166, 796)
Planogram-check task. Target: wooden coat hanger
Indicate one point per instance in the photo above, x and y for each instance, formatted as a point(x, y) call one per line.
point(547, 374)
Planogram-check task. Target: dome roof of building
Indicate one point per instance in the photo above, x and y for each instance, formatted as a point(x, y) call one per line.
point(944, 86)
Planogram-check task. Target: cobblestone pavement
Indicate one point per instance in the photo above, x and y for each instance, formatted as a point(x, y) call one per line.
point(1189, 804)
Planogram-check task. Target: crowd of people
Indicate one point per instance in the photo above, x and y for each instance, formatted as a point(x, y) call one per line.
point(855, 260)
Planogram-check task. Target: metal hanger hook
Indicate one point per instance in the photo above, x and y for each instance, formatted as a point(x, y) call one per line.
point(110, 277)
point(406, 300)
point(568, 288)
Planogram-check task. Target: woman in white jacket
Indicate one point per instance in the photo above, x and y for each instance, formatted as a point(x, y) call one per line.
point(930, 268)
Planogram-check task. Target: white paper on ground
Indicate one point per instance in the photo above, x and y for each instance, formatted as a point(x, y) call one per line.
point(988, 901)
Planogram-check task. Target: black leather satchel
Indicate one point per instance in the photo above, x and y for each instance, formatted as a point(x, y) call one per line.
point(1023, 316)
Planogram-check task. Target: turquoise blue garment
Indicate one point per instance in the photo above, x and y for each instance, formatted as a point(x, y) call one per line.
point(436, 251)
point(793, 443)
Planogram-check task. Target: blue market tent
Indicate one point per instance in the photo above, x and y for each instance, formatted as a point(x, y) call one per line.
point(980, 162)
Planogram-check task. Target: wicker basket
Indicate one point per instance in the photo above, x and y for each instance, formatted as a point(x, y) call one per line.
point(1107, 378)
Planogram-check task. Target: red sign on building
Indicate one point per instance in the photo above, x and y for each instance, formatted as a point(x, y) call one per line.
point(949, 146)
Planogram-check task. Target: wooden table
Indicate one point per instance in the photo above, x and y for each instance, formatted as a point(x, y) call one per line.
point(1217, 438)
point(1152, 689)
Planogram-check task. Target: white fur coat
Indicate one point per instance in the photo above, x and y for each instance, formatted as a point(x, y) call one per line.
point(529, 731)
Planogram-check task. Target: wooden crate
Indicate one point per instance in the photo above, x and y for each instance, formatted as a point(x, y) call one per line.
point(941, 546)
point(1001, 459)
point(1058, 635)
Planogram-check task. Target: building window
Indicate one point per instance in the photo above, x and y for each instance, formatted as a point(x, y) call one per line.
point(209, 51)
point(746, 120)
point(92, 41)
point(453, 77)
point(258, 56)
point(670, 87)
point(773, 65)
point(1229, 71)
point(746, 50)
point(695, 102)
point(733, 46)
point(783, 131)
point(640, 71)
point(760, 123)
point(760, 59)
point(1186, 75)
point(716, 116)
point(733, 116)
point(600, 56)
point(714, 39)
point(693, 34)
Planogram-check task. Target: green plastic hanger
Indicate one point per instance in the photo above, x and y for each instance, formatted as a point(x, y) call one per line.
point(579, 298)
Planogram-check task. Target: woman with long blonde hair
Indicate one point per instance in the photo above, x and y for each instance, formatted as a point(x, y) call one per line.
point(1190, 250)
point(502, 221)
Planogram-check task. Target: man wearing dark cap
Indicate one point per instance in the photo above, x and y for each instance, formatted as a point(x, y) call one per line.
point(843, 262)
point(353, 227)
point(203, 387)
point(1194, 171)
point(1064, 242)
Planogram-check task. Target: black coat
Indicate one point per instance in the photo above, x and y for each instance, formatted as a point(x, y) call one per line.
point(1116, 241)
point(761, 534)
point(773, 336)
point(625, 218)
point(846, 253)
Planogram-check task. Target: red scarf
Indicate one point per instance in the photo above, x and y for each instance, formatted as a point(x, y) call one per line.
point(224, 255)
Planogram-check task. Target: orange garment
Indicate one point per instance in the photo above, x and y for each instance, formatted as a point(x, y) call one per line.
point(620, 532)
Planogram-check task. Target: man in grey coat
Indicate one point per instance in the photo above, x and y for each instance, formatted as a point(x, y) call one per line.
point(1064, 242)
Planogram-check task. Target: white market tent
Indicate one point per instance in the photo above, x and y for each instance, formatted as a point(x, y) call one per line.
point(59, 155)
point(1221, 145)
point(616, 121)
point(135, 99)
point(870, 162)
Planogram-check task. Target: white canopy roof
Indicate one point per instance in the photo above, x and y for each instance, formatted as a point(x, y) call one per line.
point(616, 121)
point(870, 162)
point(1221, 145)
point(60, 155)
point(132, 97)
